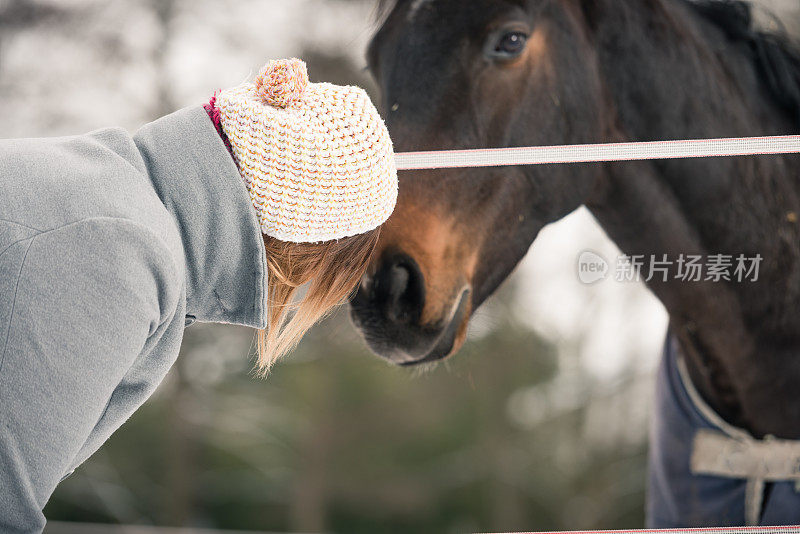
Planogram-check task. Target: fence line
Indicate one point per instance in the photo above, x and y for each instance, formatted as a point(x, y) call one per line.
point(651, 150)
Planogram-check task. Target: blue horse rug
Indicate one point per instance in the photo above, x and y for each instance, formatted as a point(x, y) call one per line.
point(705, 472)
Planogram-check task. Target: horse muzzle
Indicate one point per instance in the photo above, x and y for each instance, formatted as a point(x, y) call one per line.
point(388, 310)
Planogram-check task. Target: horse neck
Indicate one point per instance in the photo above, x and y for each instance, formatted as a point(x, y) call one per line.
point(665, 79)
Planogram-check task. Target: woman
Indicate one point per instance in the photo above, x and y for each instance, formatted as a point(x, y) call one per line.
point(111, 244)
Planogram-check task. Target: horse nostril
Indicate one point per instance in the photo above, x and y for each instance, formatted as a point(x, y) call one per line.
point(399, 289)
point(398, 280)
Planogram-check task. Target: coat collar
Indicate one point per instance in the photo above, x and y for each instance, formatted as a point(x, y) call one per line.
point(199, 184)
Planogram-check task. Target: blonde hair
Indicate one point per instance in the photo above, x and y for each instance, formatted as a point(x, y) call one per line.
point(332, 270)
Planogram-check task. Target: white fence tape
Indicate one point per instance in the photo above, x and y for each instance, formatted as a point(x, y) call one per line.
point(540, 155)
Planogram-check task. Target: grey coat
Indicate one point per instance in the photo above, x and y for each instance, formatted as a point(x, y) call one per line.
point(109, 246)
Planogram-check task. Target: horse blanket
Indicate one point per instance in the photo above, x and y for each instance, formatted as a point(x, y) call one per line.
point(704, 472)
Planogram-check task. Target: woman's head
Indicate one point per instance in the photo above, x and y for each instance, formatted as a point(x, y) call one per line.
point(330, 270)
point(317, 158)
point(318, 163)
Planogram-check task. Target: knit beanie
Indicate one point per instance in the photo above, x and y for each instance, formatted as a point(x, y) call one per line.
point(316, 157)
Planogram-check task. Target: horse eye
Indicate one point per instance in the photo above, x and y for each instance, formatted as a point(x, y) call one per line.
point(510, 45)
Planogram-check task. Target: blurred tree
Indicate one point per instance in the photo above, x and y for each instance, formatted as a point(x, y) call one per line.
point(18, 14)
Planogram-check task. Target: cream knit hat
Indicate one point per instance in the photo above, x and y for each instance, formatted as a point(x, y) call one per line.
point(316, 157)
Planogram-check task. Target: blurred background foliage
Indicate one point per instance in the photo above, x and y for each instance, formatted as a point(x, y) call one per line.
point(540, 423)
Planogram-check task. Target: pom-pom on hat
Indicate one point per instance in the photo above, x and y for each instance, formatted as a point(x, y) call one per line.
point(316, 157)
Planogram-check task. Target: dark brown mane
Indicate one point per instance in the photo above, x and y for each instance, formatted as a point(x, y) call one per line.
point(773, 53)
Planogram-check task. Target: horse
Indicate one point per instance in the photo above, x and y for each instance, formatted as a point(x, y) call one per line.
point(504, 73)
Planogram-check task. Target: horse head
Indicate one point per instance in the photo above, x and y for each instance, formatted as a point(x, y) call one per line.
point(484, 73)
